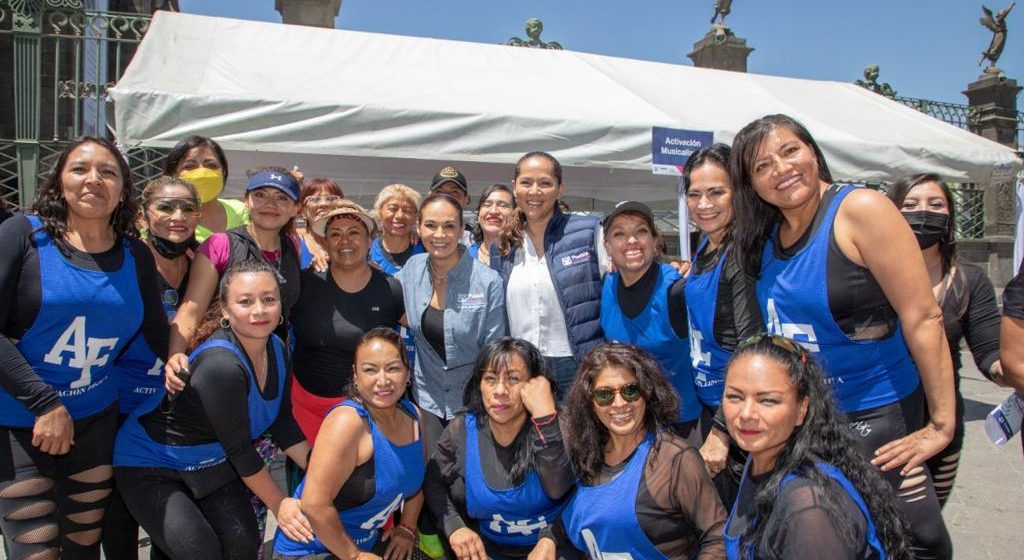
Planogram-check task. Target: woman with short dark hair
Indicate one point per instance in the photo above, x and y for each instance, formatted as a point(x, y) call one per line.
point(500, 472)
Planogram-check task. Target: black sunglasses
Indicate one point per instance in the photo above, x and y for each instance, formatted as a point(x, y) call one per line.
point(605, 396)
point(787, 344)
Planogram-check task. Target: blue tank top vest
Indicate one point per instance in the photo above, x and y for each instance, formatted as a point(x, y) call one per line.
point(139, 372)
point(305, 255)
point(377, 255)
point(75, 338)
point(399, 471)
point(708, 358)
point(793, 296)
point(513, 516)
point(652, 331)
point(734, 544)
point(601, 520)
point(134, 448)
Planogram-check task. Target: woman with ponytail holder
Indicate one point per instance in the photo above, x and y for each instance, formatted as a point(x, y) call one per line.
point(807, 492)
point(183, 464)
point(964, 293)
point(201, 161)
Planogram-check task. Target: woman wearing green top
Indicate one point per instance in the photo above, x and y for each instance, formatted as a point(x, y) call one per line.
point(200, 161)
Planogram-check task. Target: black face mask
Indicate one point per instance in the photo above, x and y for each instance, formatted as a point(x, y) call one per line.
point(169, 249)
point(929, 227)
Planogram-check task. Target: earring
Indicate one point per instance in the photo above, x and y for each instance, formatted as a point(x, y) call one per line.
point(224, 323)
point(280, 320)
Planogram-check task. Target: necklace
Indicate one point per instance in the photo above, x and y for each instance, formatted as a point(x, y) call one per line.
point(439, 278)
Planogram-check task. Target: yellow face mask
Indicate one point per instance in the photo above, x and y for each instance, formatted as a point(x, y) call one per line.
point(208, 182)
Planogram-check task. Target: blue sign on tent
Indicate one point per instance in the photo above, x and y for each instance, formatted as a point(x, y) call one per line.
point(670, 148)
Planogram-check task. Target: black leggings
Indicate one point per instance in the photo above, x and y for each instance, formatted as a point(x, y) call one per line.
point(219, 525)
point(54, 505)
point(121, 530)
point(915, 493)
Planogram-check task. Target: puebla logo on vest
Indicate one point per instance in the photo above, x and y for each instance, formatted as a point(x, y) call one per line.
point(84, 353)
point(571, 260)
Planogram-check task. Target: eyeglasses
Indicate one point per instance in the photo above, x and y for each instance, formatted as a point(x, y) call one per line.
point(605, 396)
point(500, 204)
point(328, 199)
point(787, 344)
point(168, 206)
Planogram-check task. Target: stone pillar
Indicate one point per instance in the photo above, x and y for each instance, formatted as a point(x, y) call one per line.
point(314, 13)
point(993, 98)
point(722, 50)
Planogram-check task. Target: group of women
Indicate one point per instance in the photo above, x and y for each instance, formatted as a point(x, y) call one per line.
point(558, 390)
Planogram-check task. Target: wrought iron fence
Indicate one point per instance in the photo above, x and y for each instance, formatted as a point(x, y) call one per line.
point(955, 114)
point(65, 58)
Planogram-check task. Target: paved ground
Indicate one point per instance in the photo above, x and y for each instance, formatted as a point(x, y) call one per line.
point(987, 504)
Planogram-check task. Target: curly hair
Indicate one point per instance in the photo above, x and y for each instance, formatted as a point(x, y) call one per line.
point(823, 436)
point(211, 322)
point(478, 232)
point(898, 193)
point(496, 356)
point(52, 209)
point(586, 435)
point(181, 149)
point(754, 218)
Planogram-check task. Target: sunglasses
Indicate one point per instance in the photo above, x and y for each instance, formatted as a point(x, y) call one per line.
point(605, 396)
point(787, 344)
point(167, 206)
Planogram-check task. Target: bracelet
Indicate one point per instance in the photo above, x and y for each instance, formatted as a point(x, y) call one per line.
point(409, 530)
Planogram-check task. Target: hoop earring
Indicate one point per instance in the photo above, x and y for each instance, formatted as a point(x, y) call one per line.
point(280, 320)
point(224, 323)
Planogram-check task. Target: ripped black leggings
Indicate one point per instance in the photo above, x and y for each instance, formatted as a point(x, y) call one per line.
point(915, 493)
point(54, 505)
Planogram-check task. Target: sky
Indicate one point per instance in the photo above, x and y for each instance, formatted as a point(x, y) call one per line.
point(925, 48)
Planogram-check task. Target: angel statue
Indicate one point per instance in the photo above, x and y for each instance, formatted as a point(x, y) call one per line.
point(997, 24)
point(722, 8)
point(534, 27)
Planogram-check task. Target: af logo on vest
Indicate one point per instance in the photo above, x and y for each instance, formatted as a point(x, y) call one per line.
point(81, 351)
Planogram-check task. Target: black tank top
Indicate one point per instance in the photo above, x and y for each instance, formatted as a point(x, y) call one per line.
point(857, 302)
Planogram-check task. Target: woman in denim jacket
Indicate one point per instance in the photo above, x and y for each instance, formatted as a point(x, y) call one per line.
point(454, 304)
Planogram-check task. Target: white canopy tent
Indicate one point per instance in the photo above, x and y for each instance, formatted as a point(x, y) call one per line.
point(370, 109)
